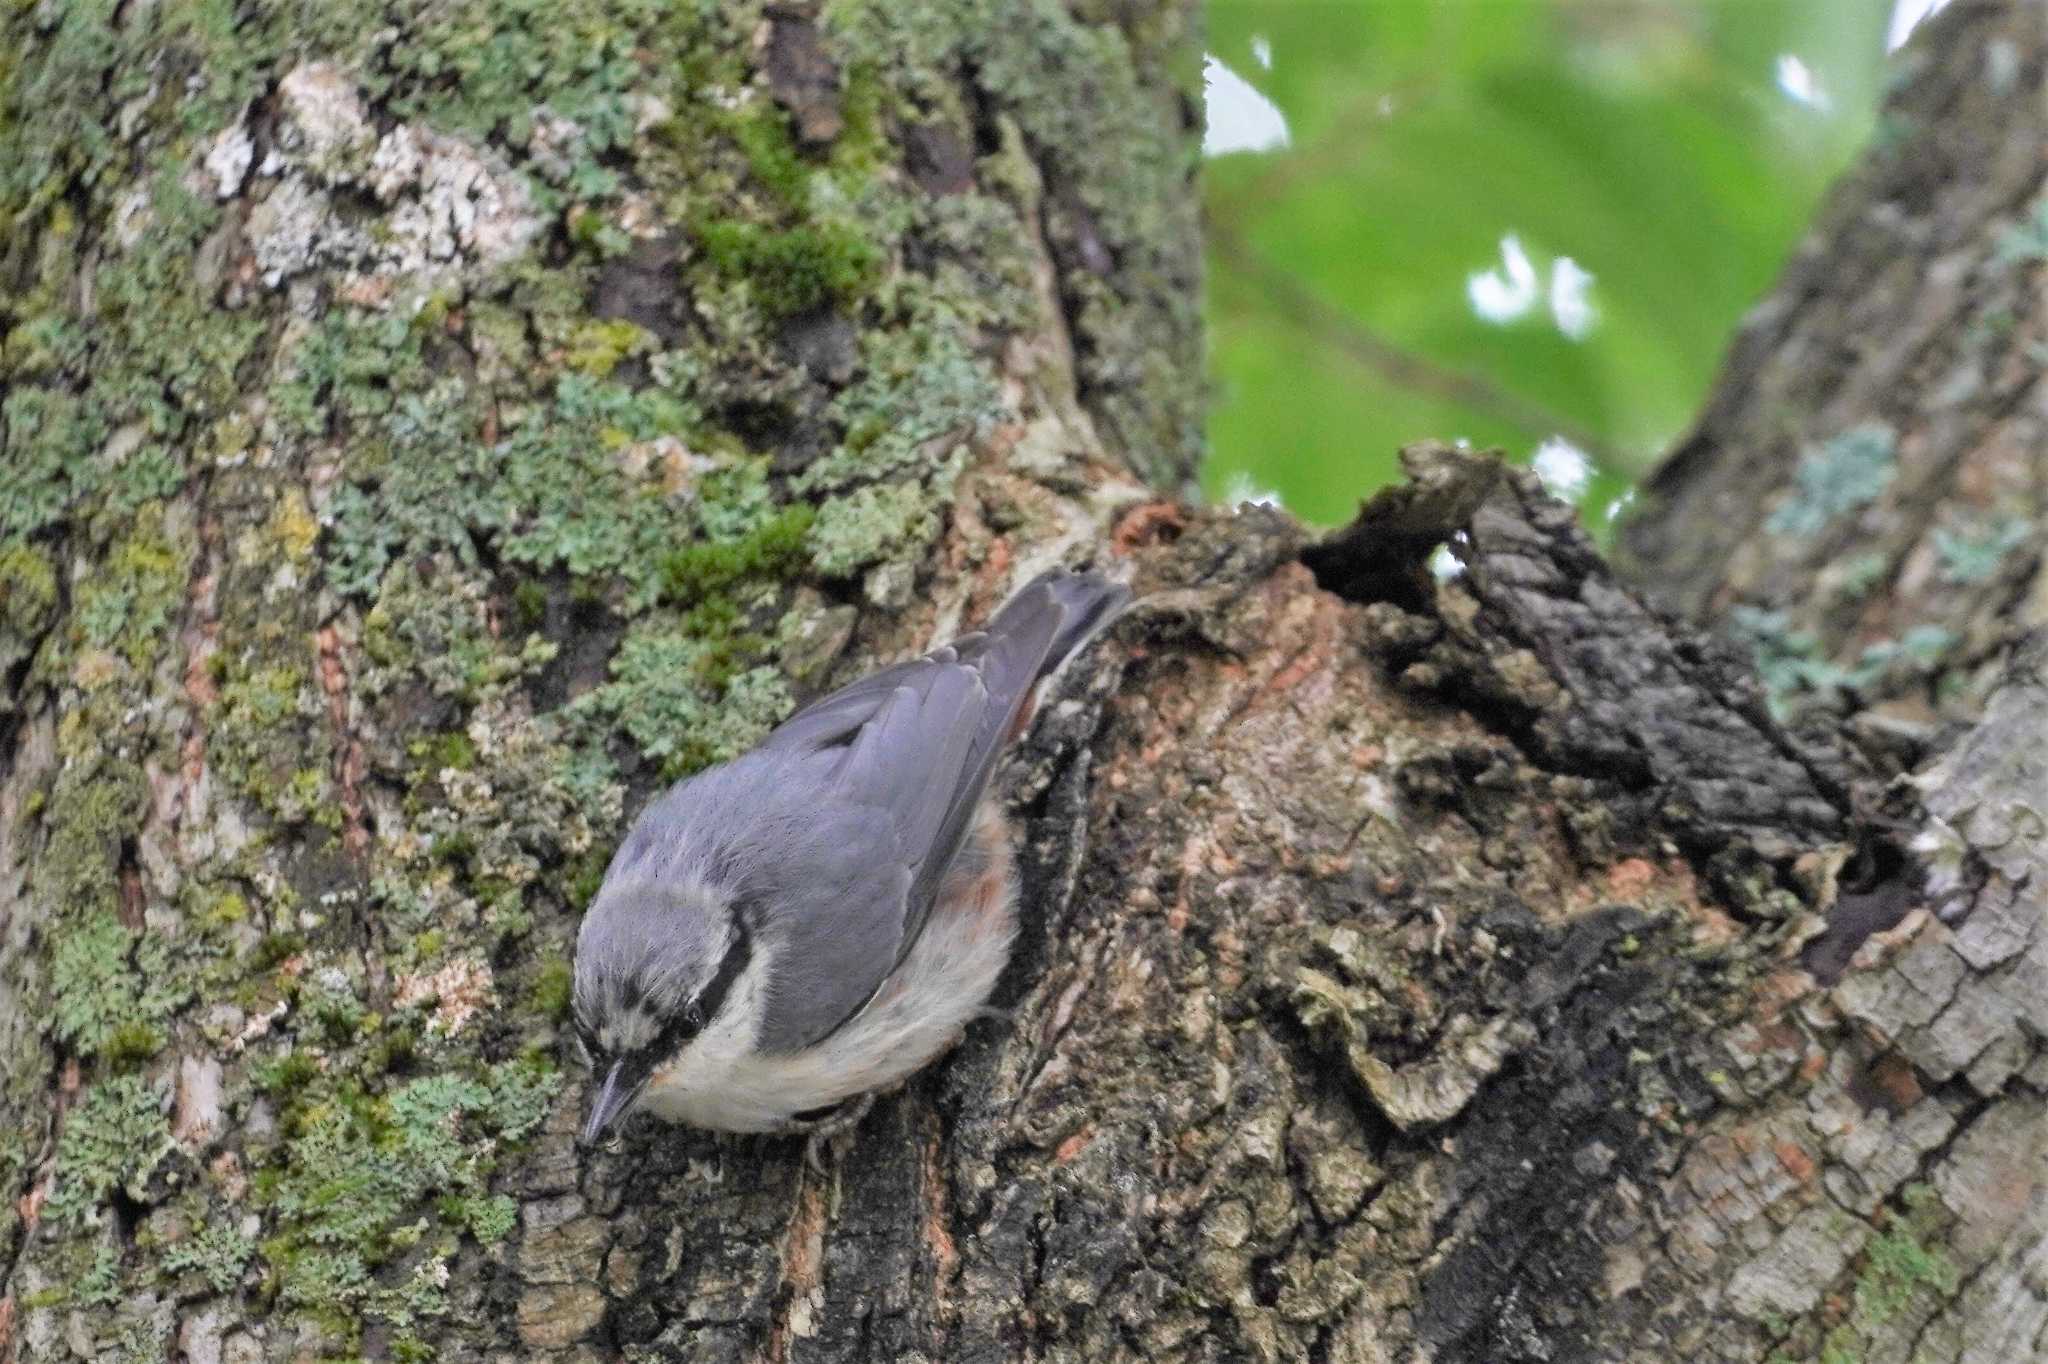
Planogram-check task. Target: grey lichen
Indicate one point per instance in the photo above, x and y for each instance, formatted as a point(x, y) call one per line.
point(1847, 472)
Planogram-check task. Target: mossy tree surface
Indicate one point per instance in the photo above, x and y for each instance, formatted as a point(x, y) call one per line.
point(425, 431)
point(428, 431)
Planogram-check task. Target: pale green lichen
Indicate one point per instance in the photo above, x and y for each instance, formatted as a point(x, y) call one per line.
point(115, 1138)
point(348, 1196)
point(2027, 240)
point(432, 621)
point(917, 388)
point(28, 604)
point(255, 706)
point(1975, 555)
point(552, 494)
point(1069, 84)
point(674, 692)
point(1845, 473)
point(130, 602)
point(217, 1254)
point(113, 989)
point(106, 435)
point(1794, 666)
point(870, 524)
point(87, 816)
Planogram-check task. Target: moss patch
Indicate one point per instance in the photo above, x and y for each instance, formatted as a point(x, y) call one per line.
point(795, 270)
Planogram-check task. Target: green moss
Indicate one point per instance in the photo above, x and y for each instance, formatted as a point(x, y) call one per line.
point(272, 949)
point(599, 346)
point(114, 1139)
point(1898, 1267)
point(763, 134)
point(774, 548)
point(796, 269)
point(584, 881)
point(132, 1043)
point(454, 749)
point(552, 989)
point(28, 597)
point(286, 1074)
point(531, 601)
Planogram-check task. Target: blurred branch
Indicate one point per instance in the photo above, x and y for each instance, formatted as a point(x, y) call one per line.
point(1402, 368)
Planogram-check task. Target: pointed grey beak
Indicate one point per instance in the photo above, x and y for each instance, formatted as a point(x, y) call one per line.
point(614, 1096)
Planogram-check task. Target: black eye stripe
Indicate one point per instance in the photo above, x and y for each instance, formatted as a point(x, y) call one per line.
point(736, 958)
point(691, 1020)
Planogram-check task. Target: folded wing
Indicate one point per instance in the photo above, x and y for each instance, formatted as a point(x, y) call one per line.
point(892, 768)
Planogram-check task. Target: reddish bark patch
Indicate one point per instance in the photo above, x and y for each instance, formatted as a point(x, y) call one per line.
point(350, 762)
point(1150, 523)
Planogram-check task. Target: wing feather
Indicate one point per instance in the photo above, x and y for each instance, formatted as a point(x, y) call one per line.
point(885, 776)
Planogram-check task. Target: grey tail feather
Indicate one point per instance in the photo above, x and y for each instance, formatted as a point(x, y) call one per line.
point(1087, 602)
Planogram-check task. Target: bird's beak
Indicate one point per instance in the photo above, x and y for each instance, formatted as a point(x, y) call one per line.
point(614, 1097)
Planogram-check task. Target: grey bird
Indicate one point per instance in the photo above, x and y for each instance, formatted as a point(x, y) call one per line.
point(782, 936)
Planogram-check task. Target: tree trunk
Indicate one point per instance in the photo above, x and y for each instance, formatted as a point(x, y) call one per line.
point(1863, 496)
point(426, 437)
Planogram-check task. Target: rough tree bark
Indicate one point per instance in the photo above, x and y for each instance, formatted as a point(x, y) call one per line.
point(426, 433)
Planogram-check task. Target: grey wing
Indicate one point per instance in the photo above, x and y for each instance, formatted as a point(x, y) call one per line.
point(901, 759)
point(833, 895)
point(1034, 632)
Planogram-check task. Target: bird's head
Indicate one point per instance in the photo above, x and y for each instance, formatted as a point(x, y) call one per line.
point(655, 964)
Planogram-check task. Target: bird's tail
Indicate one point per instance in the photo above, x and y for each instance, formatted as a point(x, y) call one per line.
point(1085, 604)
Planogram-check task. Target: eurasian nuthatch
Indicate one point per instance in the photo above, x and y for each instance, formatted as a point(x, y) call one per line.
point(814, 921)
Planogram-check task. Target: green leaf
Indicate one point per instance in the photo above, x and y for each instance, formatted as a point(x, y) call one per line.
point(1651, 145)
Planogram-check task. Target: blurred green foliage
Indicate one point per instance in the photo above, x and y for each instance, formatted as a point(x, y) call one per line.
point(1674, 150)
